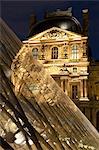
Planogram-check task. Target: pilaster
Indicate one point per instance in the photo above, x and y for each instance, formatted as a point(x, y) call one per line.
point(66, 86)
point(84, 94)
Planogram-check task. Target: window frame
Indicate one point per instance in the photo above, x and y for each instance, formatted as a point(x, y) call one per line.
point(74, 70)
point(74, 52)
point(35, 53)
point(74, 89)
point(54, 52)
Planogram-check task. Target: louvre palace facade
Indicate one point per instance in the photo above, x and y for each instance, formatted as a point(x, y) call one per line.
point(60, 43)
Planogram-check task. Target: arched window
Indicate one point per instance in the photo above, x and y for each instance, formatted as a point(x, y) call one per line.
point(35, 53)
point(74, 52)
point(54, 53)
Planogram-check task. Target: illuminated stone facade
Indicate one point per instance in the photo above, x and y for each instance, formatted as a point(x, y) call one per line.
point(65, 55)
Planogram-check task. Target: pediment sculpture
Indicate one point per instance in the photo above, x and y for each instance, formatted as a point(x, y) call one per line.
point(54, 34)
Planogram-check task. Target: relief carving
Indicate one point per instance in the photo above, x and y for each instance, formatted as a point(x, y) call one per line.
point(54, 34)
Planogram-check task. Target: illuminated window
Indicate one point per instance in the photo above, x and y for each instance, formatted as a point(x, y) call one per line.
point(75, 70)
point(54, 53)
point(75, 52)
point(74, 92)
point(35, 53)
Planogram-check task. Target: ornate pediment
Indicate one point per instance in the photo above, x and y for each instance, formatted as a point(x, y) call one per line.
point(55, 34)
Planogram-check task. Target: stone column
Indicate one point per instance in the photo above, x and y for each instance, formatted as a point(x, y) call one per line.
point(85, 87)
point(66, 86)
point(81, 86)
point(85, 90)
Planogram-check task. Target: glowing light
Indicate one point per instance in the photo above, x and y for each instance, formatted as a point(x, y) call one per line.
point(64, 26)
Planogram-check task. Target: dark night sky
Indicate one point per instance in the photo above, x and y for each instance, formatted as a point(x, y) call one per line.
point(16, 15)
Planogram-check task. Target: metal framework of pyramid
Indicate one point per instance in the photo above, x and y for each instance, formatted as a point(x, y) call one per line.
point(36, 105)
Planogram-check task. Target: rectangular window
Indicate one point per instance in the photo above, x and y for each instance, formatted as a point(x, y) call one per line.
point(74, 92)
point(54, 53)
point(35, 53)
point(74, 52)
point(74, 70)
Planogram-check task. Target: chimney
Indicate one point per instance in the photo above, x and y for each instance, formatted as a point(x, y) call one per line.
point(85, 25)
point(32, 21)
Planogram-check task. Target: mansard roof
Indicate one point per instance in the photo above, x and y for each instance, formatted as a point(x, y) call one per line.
point(64, 22)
